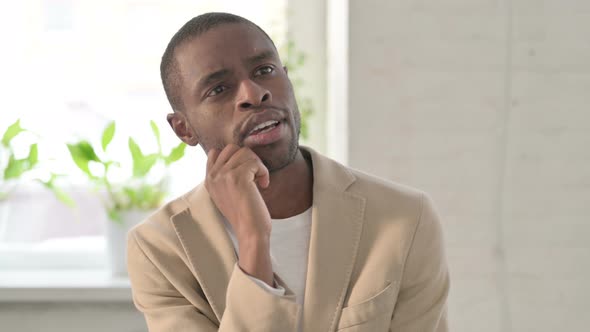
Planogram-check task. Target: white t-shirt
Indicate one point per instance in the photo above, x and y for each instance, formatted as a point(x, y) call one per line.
point(289, 247)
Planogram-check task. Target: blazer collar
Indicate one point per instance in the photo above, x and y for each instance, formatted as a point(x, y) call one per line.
point(337, 220)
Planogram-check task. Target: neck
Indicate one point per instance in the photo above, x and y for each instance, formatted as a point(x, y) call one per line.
point(290, 189)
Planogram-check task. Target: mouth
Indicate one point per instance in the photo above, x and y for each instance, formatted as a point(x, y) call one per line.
point(263, 127)
point(265, 133)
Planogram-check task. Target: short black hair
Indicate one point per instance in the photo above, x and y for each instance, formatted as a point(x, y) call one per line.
point(169, 71)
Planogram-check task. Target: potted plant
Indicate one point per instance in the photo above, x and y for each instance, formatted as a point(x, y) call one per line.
point(127, 200)
point(13, 169)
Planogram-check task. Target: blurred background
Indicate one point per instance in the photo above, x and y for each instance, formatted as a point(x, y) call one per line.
point(484, 104)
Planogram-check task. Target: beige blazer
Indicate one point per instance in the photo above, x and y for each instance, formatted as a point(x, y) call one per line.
point(376, 263)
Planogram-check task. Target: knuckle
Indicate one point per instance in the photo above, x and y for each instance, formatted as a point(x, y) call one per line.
point(233, 178)
point(252, 164)
point(251, 153)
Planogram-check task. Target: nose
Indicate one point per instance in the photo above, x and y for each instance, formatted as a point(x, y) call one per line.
point(251, 95)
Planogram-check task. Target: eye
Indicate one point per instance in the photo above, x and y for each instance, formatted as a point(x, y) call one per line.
point(265, 70)
point(216, 90)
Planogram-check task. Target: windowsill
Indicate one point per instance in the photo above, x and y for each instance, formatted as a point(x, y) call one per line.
point(63, 286)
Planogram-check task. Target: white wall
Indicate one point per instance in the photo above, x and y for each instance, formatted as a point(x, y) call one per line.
point(485, 105)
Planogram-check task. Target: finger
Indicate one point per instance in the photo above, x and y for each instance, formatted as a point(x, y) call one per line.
point(211, 158)
point(262, 175)
point(243, 155)
point(259, 172)
point(224, 155)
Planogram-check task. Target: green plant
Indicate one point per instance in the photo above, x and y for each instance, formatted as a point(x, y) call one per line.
point(135, 192)
point(294, 59)
point(13, 168)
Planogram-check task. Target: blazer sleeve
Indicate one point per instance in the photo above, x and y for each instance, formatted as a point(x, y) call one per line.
point(421, 304)
point(249, 307)
point(277, 290)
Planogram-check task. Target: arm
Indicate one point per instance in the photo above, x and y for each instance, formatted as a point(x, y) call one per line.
point(421, 304)
point(233, 177)
point(166, 309)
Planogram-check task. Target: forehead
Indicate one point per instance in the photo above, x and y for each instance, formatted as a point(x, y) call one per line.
point(220, 47)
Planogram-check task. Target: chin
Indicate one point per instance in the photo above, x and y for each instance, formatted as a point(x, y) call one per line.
point(277, 158)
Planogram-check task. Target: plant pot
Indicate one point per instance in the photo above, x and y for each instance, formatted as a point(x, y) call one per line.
point(19, 222)
point(32, 214)
point(4, 218)
point(116, 236)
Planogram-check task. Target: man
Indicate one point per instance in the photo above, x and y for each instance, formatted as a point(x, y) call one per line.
point(278, 237)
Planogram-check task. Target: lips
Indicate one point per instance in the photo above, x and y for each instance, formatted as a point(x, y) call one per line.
point(264, 127)
point(260, 122)
point(265, 136)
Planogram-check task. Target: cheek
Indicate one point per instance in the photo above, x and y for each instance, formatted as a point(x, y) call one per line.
point(214, 128)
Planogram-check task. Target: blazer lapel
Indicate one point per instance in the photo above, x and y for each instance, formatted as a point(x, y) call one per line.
point(337, 220)
point(208, 246)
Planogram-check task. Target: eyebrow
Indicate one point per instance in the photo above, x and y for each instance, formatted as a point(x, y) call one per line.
point(265, 55)
point(210, 78)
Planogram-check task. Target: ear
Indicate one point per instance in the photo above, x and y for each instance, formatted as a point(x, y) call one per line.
point(182, 128)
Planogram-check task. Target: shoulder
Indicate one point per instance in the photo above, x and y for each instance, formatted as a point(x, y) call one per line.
point(373, 183)
point(388, 197)
point(385, 201)
point(401, 230)
point(396, 210)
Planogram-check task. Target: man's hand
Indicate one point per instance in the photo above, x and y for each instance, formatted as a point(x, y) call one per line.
point(232, 178)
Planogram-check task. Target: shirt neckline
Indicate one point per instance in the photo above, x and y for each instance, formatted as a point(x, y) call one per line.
point(297, 216)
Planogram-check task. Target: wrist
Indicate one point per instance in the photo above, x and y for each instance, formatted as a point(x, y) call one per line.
point(254, 259)
point(253, 243)
point(253, 238)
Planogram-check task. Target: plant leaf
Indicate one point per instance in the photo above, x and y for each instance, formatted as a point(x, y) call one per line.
point(107, 135)
point(131, 194)
point(153, 198)
point(114, 215)
point(82, 153)
point(148, 196)
point(175, 154)
point(13, 130)
point(33, 157)
point(15, 168)
point(61, 195)
point(141, 168)
point(300, 59)
point(87, 151)
point(141, 164)
point(156, 131)
point(136, 153)
point(79, 159)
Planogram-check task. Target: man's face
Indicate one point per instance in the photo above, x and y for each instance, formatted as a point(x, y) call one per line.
point(235, 90)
